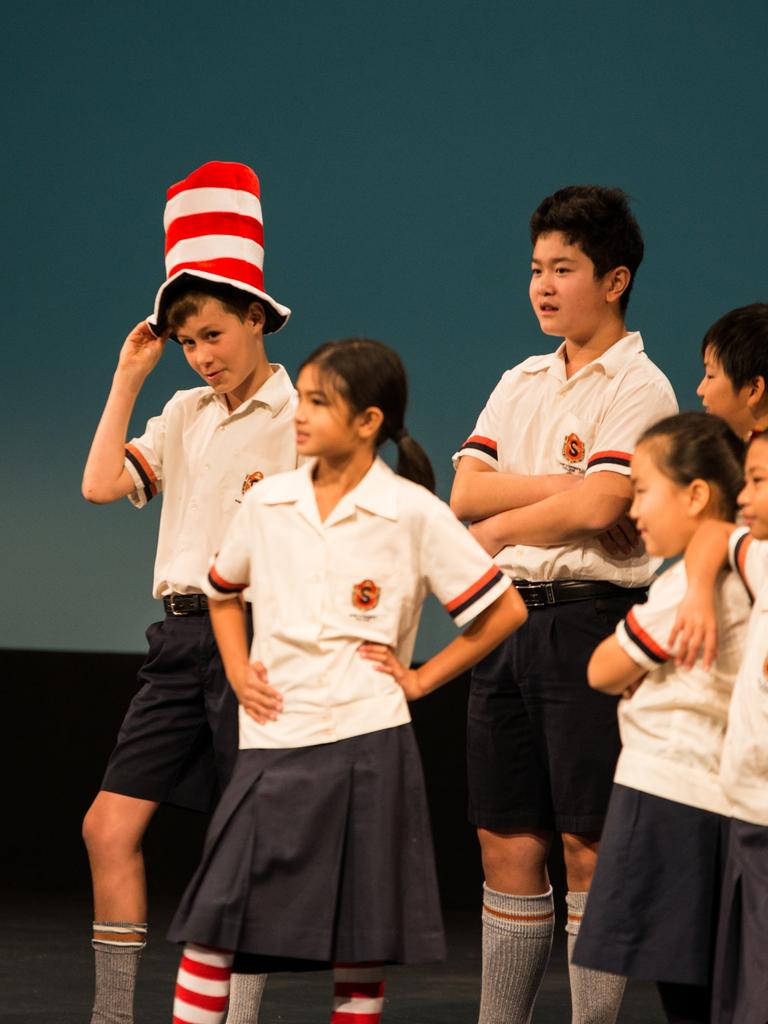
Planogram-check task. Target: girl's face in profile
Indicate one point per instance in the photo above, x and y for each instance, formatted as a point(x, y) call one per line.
point(325, 423)
point(753, 499)
point(661, 507)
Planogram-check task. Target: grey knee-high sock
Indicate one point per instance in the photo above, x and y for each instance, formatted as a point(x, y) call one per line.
point(245, 992)
point(517, 940)
point(117, 964)
point(595, 995)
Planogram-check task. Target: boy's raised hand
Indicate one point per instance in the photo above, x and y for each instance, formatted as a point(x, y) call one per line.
point(260, 700)
point(141, 353)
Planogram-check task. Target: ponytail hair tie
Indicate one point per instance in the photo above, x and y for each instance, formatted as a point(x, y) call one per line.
point(399, 435)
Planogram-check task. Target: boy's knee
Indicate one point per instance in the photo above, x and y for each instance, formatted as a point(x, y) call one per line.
point(514, 862)
point(108, 831)
point(580, 855)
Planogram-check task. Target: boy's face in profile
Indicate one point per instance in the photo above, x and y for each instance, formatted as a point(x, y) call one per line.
point(567, 298)
point(719, 396)
point(225, 351)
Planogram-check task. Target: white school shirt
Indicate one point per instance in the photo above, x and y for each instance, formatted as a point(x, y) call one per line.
point(744, 770)
point(672, 727)
point(204, 458)
point(539, 421)
point(320, 588)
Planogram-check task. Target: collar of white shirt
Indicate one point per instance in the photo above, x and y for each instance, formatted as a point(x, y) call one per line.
point(376, 493)
point(611, 361)
point(276, 390)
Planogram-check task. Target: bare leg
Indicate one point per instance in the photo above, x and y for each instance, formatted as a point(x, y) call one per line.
point(113, 830)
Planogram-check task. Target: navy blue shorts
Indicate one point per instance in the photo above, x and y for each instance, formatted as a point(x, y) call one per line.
point(740, 990)
point(178, 741)
point(653, 903)
point(541, 745)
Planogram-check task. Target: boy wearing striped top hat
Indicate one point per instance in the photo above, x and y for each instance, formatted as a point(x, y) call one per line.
point(208, 446)
point(543, 475)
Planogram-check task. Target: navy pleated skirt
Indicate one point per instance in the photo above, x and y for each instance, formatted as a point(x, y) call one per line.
point(652, 906)
point(318, 855)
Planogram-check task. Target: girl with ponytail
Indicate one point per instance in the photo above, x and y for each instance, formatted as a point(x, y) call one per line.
point(319, 854)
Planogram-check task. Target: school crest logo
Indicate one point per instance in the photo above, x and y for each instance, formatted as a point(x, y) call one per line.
point(251, 479)
point(365, 595)
point(573, 448)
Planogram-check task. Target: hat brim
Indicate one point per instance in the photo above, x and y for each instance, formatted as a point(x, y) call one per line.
point(277, 315)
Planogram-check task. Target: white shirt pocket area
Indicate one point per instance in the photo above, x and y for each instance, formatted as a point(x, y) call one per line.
point(367, 602)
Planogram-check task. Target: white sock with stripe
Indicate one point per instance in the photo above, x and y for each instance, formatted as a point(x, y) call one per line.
point(517, 941)
point(202, 986)
point(595, 995)
point(358, 993)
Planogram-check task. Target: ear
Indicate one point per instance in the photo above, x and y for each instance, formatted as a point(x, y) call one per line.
point(617, 281)
point(256, 315)
point(369, 422)
point(699, 497)
point(755, 391)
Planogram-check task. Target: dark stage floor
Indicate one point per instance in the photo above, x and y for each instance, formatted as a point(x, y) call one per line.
point(45, 966)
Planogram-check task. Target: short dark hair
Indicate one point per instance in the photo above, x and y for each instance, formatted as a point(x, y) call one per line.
point(368, 373)
point(187, 295)
point(700, 446)
point(597, 219)
point(739, 342)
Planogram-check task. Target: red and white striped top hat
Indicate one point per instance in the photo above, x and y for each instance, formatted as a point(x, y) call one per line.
point(214, 230)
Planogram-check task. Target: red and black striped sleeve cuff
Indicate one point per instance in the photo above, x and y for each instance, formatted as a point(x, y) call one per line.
point(740, 561)
point(478, 443)
point(644, 640)
point(224, 586)
point(487, 581)
point(610, 460)
point(143, 468)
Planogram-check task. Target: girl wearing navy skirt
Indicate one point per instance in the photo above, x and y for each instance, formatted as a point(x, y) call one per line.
point(652, 908)
point(740, 986)
point(319, 853)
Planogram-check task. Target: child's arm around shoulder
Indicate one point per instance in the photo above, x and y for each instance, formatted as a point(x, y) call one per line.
point(105, 477)
point(695, 627)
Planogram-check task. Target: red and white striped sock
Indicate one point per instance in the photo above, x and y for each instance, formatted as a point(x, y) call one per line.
point(202, 986)
point(358, 993)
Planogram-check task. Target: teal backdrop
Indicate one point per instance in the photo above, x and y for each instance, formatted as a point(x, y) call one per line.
point(401, 149)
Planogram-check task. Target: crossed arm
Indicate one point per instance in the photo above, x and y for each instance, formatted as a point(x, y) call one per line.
point(557, 508)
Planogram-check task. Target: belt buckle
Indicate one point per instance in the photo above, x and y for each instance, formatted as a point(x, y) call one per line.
point(549, 593)
point(172, 606)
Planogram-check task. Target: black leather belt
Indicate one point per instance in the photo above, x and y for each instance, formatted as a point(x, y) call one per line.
point(186, 604)
point(539, 595)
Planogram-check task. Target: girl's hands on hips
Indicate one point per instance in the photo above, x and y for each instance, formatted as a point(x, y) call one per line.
point(260, 700)
point(385, 661)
